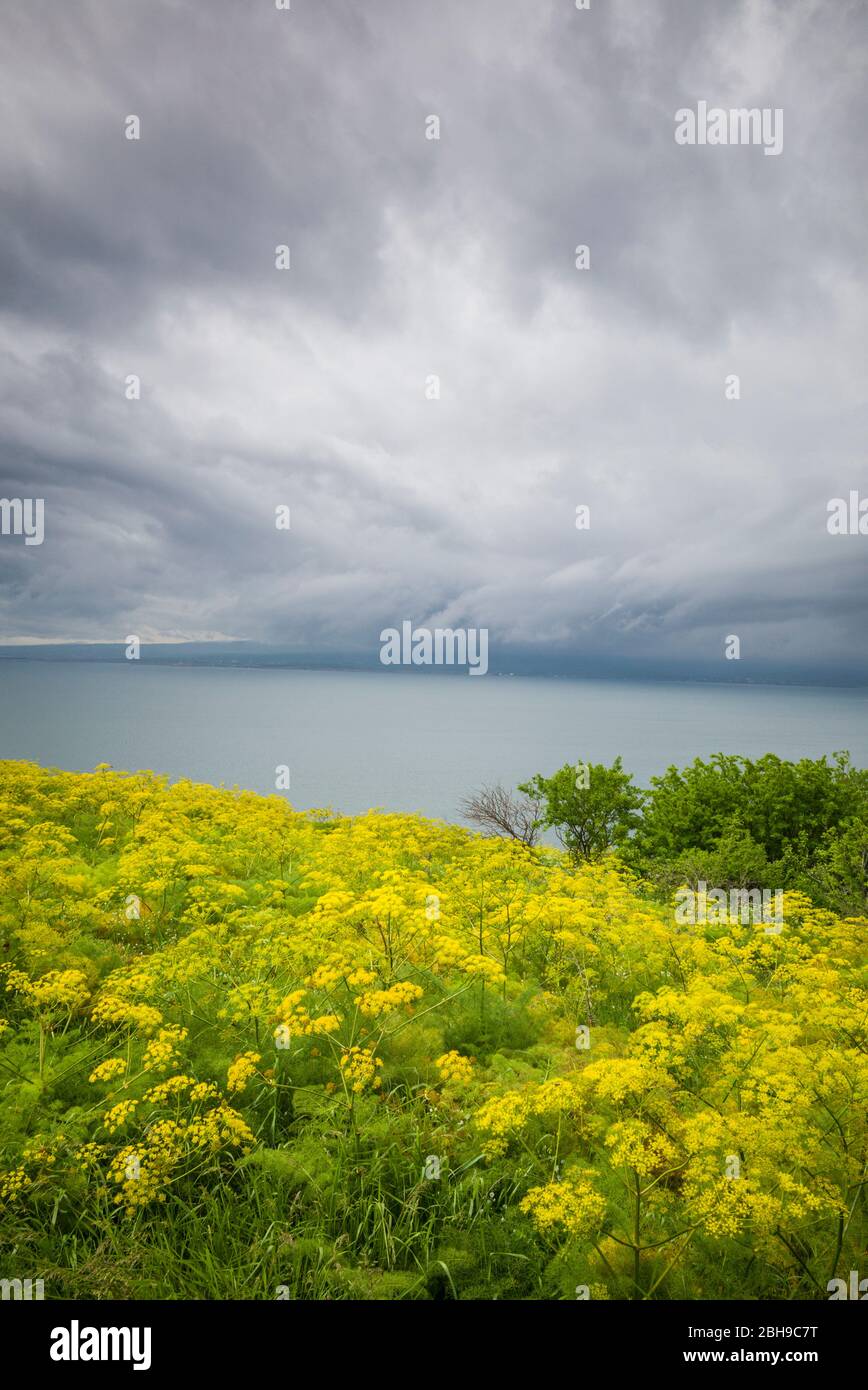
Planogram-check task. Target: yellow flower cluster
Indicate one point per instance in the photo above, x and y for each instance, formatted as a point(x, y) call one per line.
point(327, 976)
point(220, 1127)
point(13, 1185)
point(141, 1018)
point(382, 1001)
point(204, 1090)
point(60, 990)
point(89, 1156)
point(17, 981)
point(728, 1206)
point(142, 1170)
point(638, 1145)
point(483, 968)
point(162, 1051)
point(41, 1151)
point(295, 1021)
point(449, 954)
point(241, 1070)
point(555, 1097)
point(172, 1086)
point(359, 1068)
point(620, 1079)
point(573, 1206)
point(117, 1117)
point(358, 978)
point(454, 1069)
point(499, 1118)
point(107, 1071)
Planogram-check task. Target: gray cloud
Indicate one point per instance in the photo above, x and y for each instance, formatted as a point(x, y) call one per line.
point(455, 257)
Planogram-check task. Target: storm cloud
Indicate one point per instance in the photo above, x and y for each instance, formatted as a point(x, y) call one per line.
point(455, 257)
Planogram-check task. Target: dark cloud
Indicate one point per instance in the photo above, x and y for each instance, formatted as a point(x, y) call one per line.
point(454, 257)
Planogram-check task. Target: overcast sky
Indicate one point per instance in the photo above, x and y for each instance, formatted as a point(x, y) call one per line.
point(456, 257)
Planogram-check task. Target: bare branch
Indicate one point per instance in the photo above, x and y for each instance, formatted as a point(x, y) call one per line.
point(498, 812)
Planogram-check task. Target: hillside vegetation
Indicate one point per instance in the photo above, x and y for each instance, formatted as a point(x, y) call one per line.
point(252, 1053)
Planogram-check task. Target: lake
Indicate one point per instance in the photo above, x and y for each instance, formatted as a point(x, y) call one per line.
point(404, 741)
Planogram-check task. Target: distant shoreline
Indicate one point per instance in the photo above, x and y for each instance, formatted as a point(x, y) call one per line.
point(158, 655)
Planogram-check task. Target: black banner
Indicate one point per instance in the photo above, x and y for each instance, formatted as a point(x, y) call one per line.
point(64, 1339)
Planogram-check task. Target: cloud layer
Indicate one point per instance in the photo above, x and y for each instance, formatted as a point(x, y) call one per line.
point(456, 258)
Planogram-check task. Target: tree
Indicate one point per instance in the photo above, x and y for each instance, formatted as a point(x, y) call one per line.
point(839, 876)
point(787, 808)
point(590, 807)
point(735, 861)
point(496, 810)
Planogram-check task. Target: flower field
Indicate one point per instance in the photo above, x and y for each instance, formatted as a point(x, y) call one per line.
point(252, 1053)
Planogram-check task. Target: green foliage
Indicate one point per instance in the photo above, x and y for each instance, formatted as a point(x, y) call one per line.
point(778, 804)
point(837, 876)
point(590, 807)
point(733, 861)
point(741, 823)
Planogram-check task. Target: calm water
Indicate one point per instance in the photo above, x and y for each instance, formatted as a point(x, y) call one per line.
point(403, 742)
